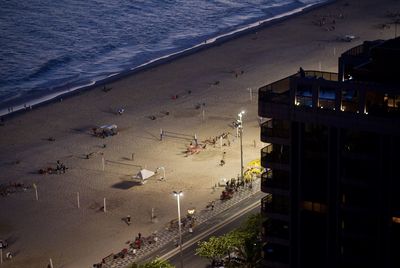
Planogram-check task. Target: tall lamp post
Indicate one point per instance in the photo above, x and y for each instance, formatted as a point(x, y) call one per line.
point(240, 126)
point(178, 194)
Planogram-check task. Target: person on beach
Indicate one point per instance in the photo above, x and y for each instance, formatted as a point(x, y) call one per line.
point(302, 72)
point(58, 168)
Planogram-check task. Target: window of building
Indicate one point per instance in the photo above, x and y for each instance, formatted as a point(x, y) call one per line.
point(326, 98)
point(350, 100)
point(314, 206)
point(304, 95)
point(396, 220)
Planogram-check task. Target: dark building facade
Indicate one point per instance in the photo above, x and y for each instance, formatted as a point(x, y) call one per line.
point(333, 163)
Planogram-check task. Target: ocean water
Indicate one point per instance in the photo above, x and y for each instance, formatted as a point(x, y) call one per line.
point(48, 47)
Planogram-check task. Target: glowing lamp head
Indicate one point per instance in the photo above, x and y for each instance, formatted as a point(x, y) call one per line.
point(178, 193)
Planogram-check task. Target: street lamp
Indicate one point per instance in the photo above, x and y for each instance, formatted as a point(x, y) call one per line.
point(178, 194)
point(240, 127)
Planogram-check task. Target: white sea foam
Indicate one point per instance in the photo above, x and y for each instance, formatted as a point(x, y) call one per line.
point(138, 47)
point(30, 104)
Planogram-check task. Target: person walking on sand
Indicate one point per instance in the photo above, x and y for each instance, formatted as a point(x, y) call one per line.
point(58, 168)
point(128, 220)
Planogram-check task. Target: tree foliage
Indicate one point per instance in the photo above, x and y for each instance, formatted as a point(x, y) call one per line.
point(215, 249)
point(238, 248)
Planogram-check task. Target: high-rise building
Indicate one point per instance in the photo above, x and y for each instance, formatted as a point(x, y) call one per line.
point(332, 160)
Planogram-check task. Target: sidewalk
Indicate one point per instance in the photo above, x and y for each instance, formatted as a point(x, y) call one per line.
point(166, 236)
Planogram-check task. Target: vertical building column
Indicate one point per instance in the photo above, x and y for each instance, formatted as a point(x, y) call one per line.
point(361, 100)
point(338, 100)
point(333, 197)
point(295, 171)
point(292, 90)
point(341, 69)
point(315, 96)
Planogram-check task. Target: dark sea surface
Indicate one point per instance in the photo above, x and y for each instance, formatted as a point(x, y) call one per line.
point(53, 46)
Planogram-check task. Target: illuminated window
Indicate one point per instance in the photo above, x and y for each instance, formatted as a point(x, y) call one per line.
point(307, 205)
point(396, 220)
point(314, 206)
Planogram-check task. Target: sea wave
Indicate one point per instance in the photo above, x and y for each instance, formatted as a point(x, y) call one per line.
point(58, 47)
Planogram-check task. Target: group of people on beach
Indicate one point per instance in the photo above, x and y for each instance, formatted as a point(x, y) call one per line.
point(4, 245)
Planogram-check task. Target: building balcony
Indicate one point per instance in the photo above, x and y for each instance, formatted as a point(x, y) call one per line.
point(277, 92)
point(322, 92)
point(275, 205)
point(276, 230)
point(275, 181)
point(275, 154)
point(272, 97)
point(275, 131)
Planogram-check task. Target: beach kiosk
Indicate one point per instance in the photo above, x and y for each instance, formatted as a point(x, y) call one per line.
point(143, 175)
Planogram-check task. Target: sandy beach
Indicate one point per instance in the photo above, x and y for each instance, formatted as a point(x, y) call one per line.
point(217, 80)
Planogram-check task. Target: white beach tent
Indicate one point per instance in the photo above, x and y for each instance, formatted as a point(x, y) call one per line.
point(143, 175)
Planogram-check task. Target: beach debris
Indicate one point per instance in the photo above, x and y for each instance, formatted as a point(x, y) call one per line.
point(194, 149)
point(347, 38)
point(199, 105)
point(60, 168)
point(106, 89)
point(48, 170)
point(213, 141)
point(105, 131)
point(210, 205)
point(3, 244)
point(159, 115)
point(10, 188)
point(384, 26)
point(89, 155)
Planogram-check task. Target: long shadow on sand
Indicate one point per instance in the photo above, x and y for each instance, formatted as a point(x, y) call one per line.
point(125, 185)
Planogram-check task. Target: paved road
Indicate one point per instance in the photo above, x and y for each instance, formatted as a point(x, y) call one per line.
point(207, 220)
point(193, 261)
point(222, 223)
